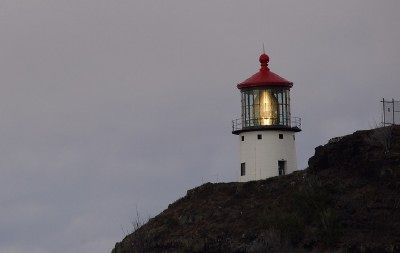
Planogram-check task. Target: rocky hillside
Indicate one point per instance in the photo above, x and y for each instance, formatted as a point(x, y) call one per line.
point(347, 200)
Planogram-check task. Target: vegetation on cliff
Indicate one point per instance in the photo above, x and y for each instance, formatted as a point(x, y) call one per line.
point(348, 199)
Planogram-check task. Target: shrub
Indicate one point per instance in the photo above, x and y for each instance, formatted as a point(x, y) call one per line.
point(314, 204)
point(288, 225)
point(329, 229)
point(311, 199)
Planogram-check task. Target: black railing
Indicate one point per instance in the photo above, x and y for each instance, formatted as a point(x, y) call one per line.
point(278, 122)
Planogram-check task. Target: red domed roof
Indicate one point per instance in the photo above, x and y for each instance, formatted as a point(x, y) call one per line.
point(264, 77)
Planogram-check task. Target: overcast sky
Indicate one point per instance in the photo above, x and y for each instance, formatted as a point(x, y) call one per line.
point(108, 106)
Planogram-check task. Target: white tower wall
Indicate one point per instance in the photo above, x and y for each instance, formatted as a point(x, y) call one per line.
point(261, 156)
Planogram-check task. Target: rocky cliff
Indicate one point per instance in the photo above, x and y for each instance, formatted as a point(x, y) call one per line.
point(347, 200)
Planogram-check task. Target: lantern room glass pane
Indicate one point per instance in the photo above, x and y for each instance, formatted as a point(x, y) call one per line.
point(265, 107)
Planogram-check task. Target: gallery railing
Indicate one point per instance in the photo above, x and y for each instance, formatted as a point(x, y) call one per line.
point(278, 122)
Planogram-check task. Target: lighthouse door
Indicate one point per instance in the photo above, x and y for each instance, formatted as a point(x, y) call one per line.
point(282, 167)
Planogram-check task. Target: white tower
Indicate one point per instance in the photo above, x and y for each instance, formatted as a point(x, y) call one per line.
point(266, 129)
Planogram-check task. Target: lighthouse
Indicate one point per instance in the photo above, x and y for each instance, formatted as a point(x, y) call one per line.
point(266, 129)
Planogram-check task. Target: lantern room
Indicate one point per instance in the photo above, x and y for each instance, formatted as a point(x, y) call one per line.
point(265, 102)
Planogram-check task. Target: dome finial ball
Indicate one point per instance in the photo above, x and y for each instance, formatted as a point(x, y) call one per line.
point(264, 58)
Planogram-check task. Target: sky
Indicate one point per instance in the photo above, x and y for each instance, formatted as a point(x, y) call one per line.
point(108, 107)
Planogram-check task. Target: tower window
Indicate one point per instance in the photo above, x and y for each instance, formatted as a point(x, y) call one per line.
point(242, 138)
point(281, 168)
point(259, 136)
point(294, 138)
point(280, 136)
point(243, 169)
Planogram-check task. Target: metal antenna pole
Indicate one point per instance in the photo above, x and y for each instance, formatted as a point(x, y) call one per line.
point(393, 110)
point(384, 112)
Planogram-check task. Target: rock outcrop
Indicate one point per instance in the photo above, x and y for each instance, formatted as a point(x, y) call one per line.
point(348, 199)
